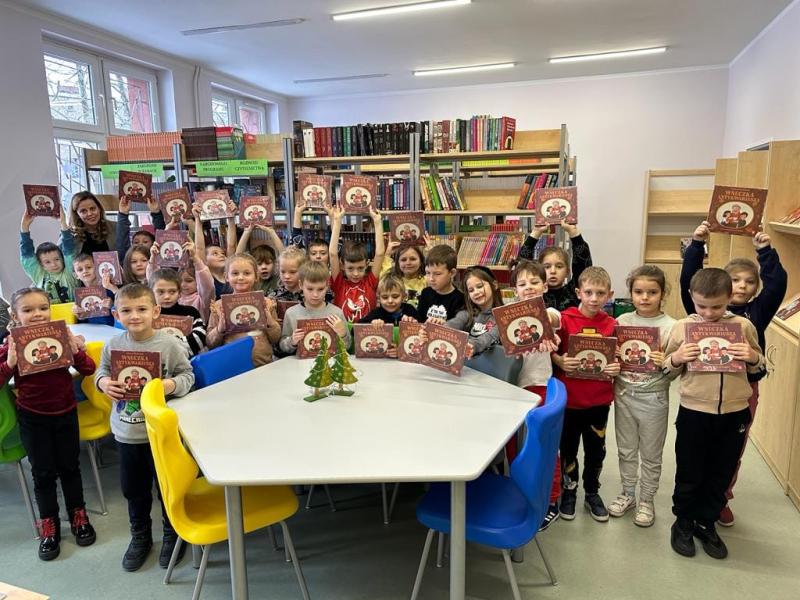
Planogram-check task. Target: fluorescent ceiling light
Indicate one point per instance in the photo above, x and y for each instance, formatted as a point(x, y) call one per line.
point(344, 78)
point(224, 28)
point(398, 9)
point(604, 55)
point(451, 70)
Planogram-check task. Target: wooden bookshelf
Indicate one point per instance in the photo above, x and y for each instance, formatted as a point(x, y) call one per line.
point(788, 228)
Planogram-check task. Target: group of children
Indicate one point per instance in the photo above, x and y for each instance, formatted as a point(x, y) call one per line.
point(406, 283)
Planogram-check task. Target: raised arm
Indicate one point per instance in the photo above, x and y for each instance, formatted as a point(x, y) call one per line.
point(156, 216)
point(380, 248)
point(274, 239)
point(199, 238)
point(244, 241)
point(528, 250)
point(333, 245)
point(773, 278)
point(581, 255)
point(692, 263)
point(27, 256)
point(123, 227)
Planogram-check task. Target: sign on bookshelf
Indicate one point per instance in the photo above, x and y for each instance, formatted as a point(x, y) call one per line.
point(112, 171)
point(231, 168)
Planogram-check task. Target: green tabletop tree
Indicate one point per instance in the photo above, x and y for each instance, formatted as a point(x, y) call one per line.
point(320, 376)
point(342, 371)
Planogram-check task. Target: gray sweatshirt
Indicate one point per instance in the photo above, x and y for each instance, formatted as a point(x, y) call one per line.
point(299, 311)
point(483, 331)
point(127, 419)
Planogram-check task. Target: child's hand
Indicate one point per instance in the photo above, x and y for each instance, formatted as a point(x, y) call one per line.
point(269, 308)
point(376, 322)
point(685, 353)
point(154, 251)
point(297, 336)
point(435, 321)
point(338, 212)
point(77, 343)
point(658, 358)
point(196, 211)
point(761, 240)
point(337, 325)
point(300, 203)
point(77, 311)
point(572, 230)
point(423, 334)
point(111, 388)
point(538, 232)
point(169, 386)
point(428, 241)
point(189, 248)
point(152, 205)
point(376, 216)
point(327, 207)
point(570, 363)
point(105, 281)
point(124, 205)
point(408, 319)
point(743, 351)
point(11, 359)
point(173, 223)
point(548, 346)
point(612, 369)
point(701, 233)
point(391, 247)
point(470, 351)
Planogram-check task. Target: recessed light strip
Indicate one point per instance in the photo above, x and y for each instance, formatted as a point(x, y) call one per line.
point(224, 28)
point(604, 55)
point(468, 69)
point(344, 78)
point(398, 9)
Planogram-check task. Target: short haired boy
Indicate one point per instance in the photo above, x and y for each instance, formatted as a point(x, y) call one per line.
point(166, 286)
point(50, 266)
point(588, 400)
point(440, 301)
point(713, 417)
point(136, 308)
point(392, 305)
point(85, 273)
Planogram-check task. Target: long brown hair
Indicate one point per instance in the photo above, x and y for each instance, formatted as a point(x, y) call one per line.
point(486, 276)
point(128, 275)
point(79, 229)
point(396, 266)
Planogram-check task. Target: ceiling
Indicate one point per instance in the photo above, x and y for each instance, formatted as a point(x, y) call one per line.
point(698, 32)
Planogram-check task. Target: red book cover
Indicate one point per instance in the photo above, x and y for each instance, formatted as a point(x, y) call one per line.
point(244, 312)
point(507, 128)
point(42, 200)
point(213, 204)
point(175, 204)
point(407, 227)
point(736, 210)
point(256, 210)
point(714, 339)
point(523, 325)
point(42, 347)
point(552, 205)
point(107, 263)
point(315, 190)
point(314, 331)
point(92, 301)
point(136, 187)
point(358, 193)
point(635, 346)
point(178, 325)
point(170, 248)
point(372, 341)
point(134, 369)
point(594, 353)
point(283, 305)
point(445, 349)
point(409, 345)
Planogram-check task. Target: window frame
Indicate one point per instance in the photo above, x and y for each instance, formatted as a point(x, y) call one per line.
point(235, 102)
point(260, 107)
point(122, 68)
point(97, 82)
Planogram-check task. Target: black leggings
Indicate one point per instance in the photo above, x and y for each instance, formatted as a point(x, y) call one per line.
point(588, 424)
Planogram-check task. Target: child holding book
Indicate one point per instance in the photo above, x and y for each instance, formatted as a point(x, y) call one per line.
point(317, 249)
point(166, 285)
point(242, 275)
point(265, 255)
point(135, 308)
point(441, 300)
point(47, 414)
point(83, 265)
point(141, 237)
point(215, 256)
point(392, 305)
point(712, 419)
point(50, 266)
point(408, 263)
point(482, 294)
point(641, 402)
point(289, 264)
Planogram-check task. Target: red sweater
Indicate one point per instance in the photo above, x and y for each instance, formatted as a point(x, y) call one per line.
point(49, 392)
point(585, 393)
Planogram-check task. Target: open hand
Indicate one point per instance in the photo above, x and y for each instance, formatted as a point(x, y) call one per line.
point(743, 351)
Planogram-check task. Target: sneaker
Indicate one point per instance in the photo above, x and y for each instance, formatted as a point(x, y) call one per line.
point(550, 516)
point(567, 507)
point(49, 538)
point(138, 549)
point(81, 528)
point(681, 537)
point(597, 508)
point(645, 513)
point(725, 517)
point(167, 548)
point(621, 505)
point(712, 543)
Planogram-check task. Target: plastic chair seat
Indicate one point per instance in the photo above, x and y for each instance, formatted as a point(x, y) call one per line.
point(92, 423)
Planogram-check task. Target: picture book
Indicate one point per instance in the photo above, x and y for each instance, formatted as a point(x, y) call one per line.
point(283, 305)
point(523, 325)
point(213, 204)
point(314, 331)
point(107, 263)
point(256, 210)
point(42, 347)
point(407, 227)
point(178, 325)
point(736, 210)
point(553, 205)
point(92, 301)
point(244, 311)
point(315, 189)
point(170, 248)
point(175, 204)
point(445, 349)
point(358, 193)
point(635, 346)
point(594, 353)
point(136, 187)
point(409, 345)
point(134, 369)
point(714, 338)
point(372, 341)
point(42, 200)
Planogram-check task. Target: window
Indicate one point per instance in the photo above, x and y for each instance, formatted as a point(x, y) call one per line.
point(134, 100)
point(69, 87)
point(227, 109)
point(71, 170)
point(221, 111)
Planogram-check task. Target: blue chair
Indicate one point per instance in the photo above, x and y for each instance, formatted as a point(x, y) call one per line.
point(118, 325)
point(493, 361)
point(223, 363)
point(503, 512)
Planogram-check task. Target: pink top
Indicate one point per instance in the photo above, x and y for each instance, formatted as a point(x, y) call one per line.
point(204, 296)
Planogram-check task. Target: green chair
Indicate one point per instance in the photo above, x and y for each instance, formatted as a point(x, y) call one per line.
point(11, 449)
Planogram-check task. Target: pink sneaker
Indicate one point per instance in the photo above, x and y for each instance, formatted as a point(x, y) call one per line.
point(725, 517)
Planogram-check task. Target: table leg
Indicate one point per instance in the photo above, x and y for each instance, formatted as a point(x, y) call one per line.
point(233, 509)
point(458, 502)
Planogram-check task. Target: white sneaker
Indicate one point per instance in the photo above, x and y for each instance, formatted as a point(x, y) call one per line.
point(645, 514)
point(621, 505)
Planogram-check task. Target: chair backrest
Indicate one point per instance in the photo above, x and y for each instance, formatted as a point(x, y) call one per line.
point(95, 397)
point(63, 312)
point(533, 468)
point(175, 467)
point(10, 446)
point(223, 363)
point(493, 361)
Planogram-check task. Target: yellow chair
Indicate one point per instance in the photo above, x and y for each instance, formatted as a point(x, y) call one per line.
point(196, 508)
point(63, 312)
point(94, 418)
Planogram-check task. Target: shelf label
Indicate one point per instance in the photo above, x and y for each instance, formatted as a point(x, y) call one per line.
point(112, 171)
point(230, 168)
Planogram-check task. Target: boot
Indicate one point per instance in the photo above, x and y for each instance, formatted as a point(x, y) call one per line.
point(138, 549)
point(81, 528)
point(49, 538)
point(168, 546)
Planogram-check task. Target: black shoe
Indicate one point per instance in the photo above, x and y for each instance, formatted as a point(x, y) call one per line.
point(81, 528)
point(567, 507)
point(681, 537)
point(49, 538)
point(138, 549)
point(712, 543)
point(549, 517)
point(167, 547)
point(597, 508)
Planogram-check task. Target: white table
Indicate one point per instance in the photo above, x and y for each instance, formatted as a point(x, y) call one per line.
point(406, 422)
point(94, 333)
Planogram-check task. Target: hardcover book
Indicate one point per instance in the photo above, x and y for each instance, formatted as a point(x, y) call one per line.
point(445, 349)
point(42, 200)
point(736, 210)
point(178, 325)
point(213, 204)
point(553, 205)
point(636, 344)
point(170, 248)
point(42, 347)
point(107, 263)
point(407, 227)
point(409, 345)
point(789, 310)
point(256, 210)
point(314, 331)
point(358, 194)
point(594, 353)
point(175, 204)
point(244, 311)
point(283, 305)
point(714, 338)
point(523, 326)
point(136, 187)
point(134, 369)
point(92, 301)
point(372, 341)
point(315, 189)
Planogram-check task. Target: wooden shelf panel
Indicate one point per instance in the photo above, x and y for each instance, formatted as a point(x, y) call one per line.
point(679, 202)
point(785, 227)
point(681, 172)
point(489, 155)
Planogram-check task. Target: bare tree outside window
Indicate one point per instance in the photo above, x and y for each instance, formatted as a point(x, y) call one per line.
point(220, 112)
point(69, 86)
point(131, 103)
point(71, 169)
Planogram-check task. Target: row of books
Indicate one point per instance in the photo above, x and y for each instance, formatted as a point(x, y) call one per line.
point(394, 194)
point(142, 146)
point(793, 218)
point(441, 193)
point(230, 143)
point(492, 250)
point(532, 183)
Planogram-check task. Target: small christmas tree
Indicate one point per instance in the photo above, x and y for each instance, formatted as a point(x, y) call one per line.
point(320, 376)
point(342, 372)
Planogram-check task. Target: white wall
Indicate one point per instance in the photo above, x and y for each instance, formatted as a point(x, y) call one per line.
point(764, 86)
point(619, 127)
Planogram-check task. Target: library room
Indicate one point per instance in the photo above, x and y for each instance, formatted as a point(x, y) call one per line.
point(390, 299)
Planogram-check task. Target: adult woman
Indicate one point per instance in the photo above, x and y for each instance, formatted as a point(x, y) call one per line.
point(93, 233)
